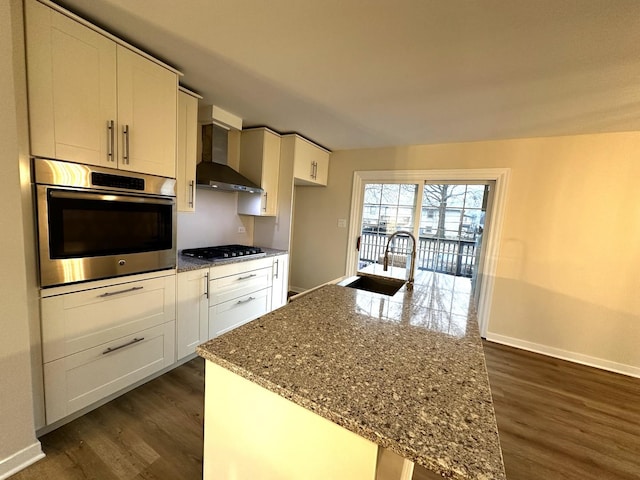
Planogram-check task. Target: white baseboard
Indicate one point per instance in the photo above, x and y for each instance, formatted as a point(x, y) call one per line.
point(20, 460)
point(295, 289)
point(590, 361)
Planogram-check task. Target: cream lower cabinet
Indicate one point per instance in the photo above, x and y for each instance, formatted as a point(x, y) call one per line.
point(94, 100)
point(74, 382)
point(98, 341)
point(213, 301)
point(240, 292)
point(280, 287)
point(193, 311)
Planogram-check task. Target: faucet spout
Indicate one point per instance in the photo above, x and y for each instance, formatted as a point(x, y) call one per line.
point(412, 267)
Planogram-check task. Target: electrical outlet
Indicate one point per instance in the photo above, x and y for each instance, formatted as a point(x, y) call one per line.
point(342, 223)
point(242, 230)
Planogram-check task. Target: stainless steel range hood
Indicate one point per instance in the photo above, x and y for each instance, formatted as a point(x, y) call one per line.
point(213, 171)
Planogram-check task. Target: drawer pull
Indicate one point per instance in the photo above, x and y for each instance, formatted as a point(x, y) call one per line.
point(247, 276)
point(132, 289)
point(245, 300)
point(110, 349)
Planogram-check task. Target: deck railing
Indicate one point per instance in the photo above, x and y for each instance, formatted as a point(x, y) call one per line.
point(450, 256)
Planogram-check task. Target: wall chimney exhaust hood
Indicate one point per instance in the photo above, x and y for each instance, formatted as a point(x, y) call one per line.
point(213, 170)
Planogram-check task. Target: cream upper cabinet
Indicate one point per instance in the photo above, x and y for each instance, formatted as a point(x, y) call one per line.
point(95, 101)
point(187, 150)
point(72, 88)
point(147, 115)
point(310, 162)
point(260, 163)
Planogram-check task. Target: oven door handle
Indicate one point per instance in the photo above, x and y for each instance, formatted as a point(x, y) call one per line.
point(119, 292)
point(73, 195)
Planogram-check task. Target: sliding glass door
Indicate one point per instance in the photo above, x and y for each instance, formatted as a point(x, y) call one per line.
point(446, 218)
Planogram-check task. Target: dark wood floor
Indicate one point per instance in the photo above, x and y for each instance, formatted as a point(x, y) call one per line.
point(152, 432)
point(557, 420)
point(560, 420)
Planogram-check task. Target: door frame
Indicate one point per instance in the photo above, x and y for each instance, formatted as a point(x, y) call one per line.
point(492, 240)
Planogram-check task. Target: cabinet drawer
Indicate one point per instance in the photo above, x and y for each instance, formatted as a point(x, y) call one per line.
point(79, 380)
point(76, 321)
point(229, 315)
point(239, 285)
point(225, 270)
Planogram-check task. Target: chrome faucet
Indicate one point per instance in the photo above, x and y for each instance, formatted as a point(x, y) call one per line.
point(385, 263)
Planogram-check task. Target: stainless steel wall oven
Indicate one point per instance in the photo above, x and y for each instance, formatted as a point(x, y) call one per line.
point(96, 222)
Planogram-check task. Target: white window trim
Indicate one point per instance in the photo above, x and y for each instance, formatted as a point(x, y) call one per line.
point(501, 178)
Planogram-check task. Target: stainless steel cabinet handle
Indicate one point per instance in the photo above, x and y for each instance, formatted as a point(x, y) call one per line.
point(247, 276)
point(277, 265)
point(111, 141)
point(315, 170)
point(245, 300)
point(125, 134)
point(192, 196)
point(206, 277)
point(132, 289)
point(265, 201)
point(113, 349)
point(312, 164)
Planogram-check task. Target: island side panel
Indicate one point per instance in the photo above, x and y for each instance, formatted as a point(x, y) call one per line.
point(251, 433)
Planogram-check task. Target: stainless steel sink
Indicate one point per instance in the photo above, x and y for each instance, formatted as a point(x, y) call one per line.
point(374, 283)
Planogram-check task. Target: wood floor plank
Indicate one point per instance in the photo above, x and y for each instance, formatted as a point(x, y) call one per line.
point(560, 420)
point(557, 421)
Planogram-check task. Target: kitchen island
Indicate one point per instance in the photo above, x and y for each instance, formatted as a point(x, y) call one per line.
point(402, 374)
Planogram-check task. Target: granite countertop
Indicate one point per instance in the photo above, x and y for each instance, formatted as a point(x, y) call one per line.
point(406, 372)
point(189, 263)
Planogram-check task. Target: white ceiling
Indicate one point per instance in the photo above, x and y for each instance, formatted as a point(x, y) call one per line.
point(370, 73)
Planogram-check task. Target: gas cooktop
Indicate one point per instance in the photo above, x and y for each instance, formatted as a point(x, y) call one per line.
point(222, 252)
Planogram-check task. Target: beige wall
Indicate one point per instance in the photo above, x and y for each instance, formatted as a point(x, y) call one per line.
point(567, 277)
point(18, 443)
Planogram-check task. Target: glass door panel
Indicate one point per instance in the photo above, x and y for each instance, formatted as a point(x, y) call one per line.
point(387, 208)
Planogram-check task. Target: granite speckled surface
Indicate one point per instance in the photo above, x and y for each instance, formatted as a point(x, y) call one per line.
point(189, 263)
point(406, 372)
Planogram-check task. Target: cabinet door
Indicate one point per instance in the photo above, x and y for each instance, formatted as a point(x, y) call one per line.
point(270, 170)
point(280, 281)
point(260, 163)
point(187, 152)
point(193, 311)
point(76, 381)
point(147, 115)
point(310, 163)
point(72, 88)
point(322, 168)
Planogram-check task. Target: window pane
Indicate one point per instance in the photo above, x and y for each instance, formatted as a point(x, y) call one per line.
point(475, 193)
point(390, 193)
point(372, 193)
